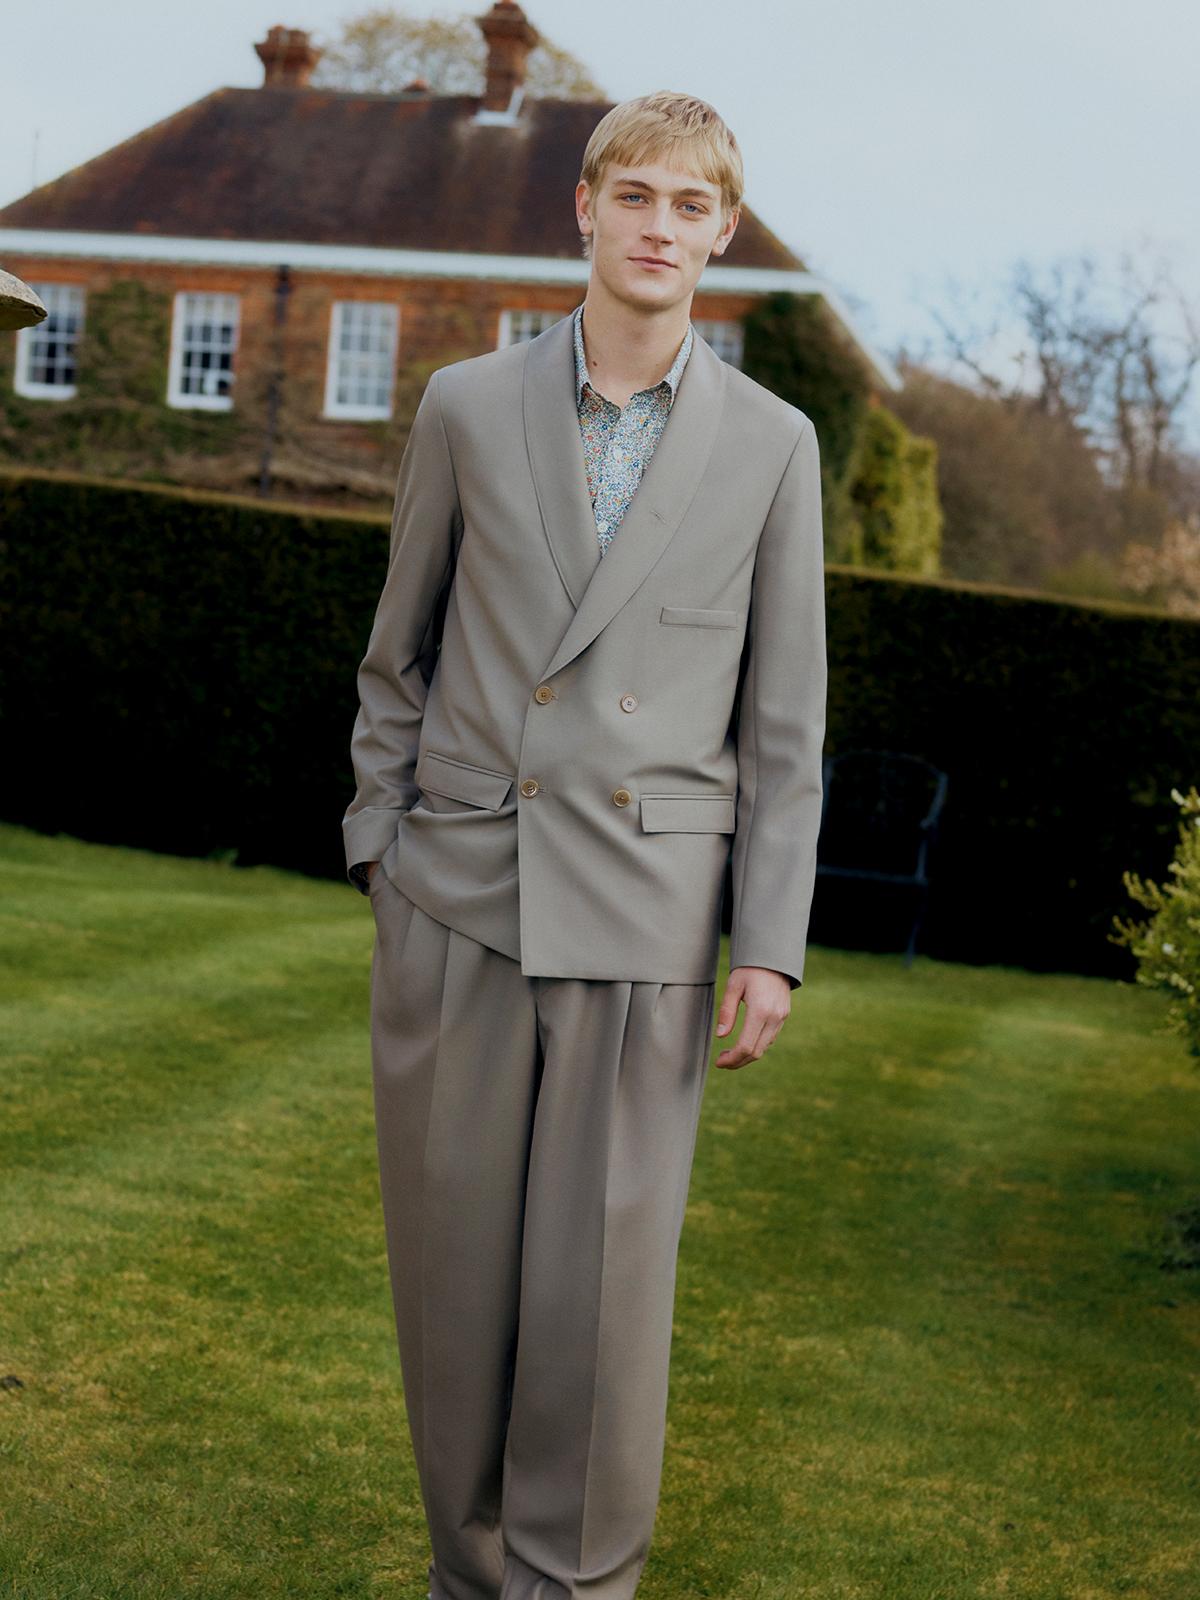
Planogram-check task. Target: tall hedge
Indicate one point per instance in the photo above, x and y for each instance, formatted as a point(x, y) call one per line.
point(177, 669)
point(177, 672)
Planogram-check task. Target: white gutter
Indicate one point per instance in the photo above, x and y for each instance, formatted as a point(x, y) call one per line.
point(389, 263)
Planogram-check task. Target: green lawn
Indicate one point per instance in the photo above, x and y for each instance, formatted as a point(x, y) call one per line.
point(924, 1349)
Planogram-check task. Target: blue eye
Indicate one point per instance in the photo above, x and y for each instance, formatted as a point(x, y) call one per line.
point(632, 196)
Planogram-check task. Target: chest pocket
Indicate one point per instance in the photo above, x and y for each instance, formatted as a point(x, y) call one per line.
point(699, 617)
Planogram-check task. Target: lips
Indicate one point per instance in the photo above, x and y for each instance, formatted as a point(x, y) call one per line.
point(651, 261)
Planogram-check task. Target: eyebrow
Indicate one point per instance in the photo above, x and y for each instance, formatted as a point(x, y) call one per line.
point(636, 183)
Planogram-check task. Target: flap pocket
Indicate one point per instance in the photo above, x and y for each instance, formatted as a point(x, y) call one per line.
point(700, 617)
point(688, 813)
point(476, 786)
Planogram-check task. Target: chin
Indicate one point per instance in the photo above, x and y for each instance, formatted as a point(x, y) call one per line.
point(653, 287)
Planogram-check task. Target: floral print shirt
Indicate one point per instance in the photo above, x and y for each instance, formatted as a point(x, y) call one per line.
point(618, 443)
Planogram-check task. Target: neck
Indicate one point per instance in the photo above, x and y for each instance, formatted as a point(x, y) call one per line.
point(630, 347)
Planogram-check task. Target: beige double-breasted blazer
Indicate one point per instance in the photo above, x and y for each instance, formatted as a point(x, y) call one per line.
point(556, 752)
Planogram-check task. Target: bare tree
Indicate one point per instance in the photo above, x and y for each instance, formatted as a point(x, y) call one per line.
point(1117, 362)
point(1152, 374)
point(384, 50)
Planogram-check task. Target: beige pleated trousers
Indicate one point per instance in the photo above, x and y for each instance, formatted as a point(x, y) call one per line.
point(535, 1138)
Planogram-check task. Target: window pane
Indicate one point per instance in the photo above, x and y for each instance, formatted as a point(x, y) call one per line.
point(526, 324)
point(50, 347)
point(725, 338)
point(208, 338)
point(364, 344)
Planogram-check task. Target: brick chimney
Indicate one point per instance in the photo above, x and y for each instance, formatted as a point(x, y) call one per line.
point(510, 36)
point(288, 58)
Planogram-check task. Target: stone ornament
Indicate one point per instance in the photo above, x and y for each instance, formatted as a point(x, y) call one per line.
point(19, 306)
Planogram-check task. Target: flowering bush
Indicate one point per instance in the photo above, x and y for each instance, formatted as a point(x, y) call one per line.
point(1168, 575)
point(1167, 947)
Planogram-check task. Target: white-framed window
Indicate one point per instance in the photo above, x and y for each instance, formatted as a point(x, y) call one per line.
point(724, 337)
point(517, 326)
point(204, 337)
point(361, 366)
point(45, 364)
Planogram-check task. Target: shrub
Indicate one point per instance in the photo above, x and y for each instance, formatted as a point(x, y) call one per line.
point(1167, 947)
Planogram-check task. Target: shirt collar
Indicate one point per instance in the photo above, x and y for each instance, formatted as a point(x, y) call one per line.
point(674, 373)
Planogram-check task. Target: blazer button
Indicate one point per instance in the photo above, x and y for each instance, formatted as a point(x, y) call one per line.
point(629, 702)
point(621, 797)
point(543, 693)
point(530, 786)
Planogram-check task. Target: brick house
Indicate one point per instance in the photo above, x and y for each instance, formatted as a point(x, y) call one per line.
point(273, 273)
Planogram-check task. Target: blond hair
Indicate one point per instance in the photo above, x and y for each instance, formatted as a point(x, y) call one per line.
point(678, 128)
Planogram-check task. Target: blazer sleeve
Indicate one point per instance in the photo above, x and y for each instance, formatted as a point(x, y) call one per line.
point(781, 727)
point(395, 672)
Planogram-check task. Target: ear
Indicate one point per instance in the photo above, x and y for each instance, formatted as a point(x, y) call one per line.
point(721, 242)
point(583, 207)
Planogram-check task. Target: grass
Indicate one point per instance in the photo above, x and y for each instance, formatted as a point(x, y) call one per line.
point(925, 1347)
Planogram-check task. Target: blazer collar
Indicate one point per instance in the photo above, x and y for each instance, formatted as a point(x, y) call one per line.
point(599, 587)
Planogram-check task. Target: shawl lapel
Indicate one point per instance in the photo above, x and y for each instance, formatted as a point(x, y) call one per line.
point(597, 587)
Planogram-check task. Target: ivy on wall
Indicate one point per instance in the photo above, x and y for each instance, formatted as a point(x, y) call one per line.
point(879, 481)
point(118, 422)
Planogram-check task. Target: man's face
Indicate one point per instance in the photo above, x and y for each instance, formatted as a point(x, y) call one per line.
point(655, 212)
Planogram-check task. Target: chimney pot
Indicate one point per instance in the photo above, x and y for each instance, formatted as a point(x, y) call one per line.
point(288, 57)
point(509, 36)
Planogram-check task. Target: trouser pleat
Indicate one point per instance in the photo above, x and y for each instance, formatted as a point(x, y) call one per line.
point(535, 1141)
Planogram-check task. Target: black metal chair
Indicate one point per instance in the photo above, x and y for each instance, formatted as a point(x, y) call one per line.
point(879, 820)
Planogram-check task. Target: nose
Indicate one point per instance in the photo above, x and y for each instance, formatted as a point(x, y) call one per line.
point(658, 223)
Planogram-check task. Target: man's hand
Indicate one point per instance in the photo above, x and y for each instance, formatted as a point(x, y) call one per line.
point(767, 995)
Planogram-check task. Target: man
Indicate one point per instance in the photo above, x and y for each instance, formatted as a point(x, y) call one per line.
point(596, 676)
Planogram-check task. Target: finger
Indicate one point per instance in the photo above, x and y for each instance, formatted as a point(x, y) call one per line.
point(755, 1014)
point(737, 1054)
point(755, 1033)
point(727, 1015)
point(755, 1036)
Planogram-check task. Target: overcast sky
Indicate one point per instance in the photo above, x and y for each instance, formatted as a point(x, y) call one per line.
point(910, 154)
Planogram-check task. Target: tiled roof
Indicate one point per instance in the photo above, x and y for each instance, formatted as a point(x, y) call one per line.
point(409, 171)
